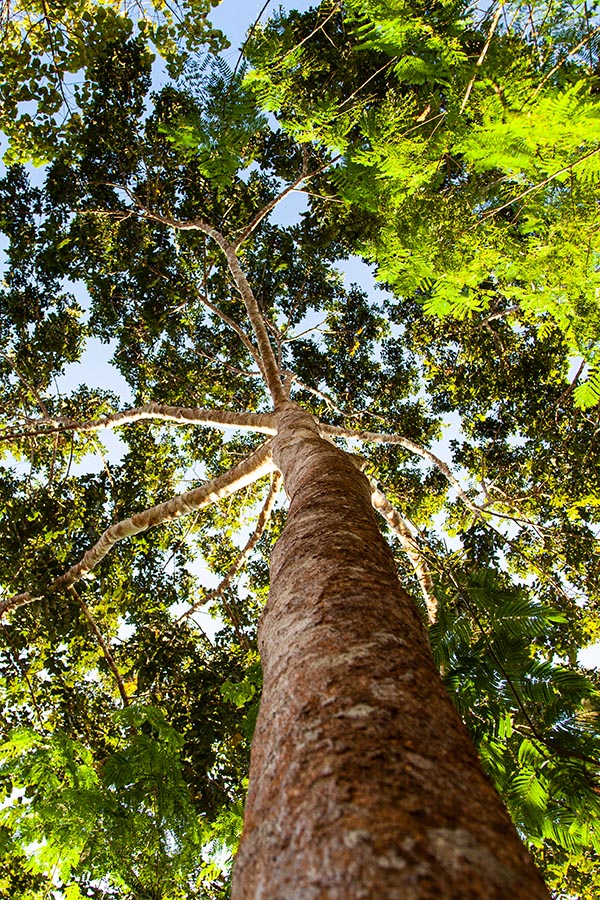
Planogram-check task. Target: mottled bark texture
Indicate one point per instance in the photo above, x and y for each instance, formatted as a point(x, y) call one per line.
point(363, 781)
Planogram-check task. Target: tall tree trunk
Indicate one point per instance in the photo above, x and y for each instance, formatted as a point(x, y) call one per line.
point(363, 781)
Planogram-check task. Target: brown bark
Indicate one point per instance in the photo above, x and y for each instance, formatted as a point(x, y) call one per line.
point(363, 781)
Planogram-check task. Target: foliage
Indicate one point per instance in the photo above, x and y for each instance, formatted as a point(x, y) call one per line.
point(480, 178)
point(219, 127)
point(124, 817)
point(535, 722)
point(51, 49)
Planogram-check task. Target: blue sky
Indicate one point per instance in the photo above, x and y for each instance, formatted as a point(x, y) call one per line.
point(235, 17)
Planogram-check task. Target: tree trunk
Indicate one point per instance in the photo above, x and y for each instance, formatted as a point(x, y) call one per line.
point(363, 781)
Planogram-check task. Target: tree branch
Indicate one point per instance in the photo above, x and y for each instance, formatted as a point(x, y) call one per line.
point(293, 379)
point(244, 421)
point(570, 388)
point(14, 656)
point(479, 512)
point(380, 438)
point(482, 56)
point(272, 378)
point(238, 330)
point(261, 523)
point(270, 206)
point(248, 471)
point(110, 661)
point(25, 382)
point(410, 546)
point(271, 370)
point(536, 187)
point(336, 8)
point(496, 315)
point(561, 62)
point(212, 358)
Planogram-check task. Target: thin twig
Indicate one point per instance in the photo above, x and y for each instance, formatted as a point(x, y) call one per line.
point(105, 465)
point(482, 55)
point(322, 396)
point(386, 65)
point(296, 337)
point(561, 62)
point(30, 387)
point(110, 661)
point(270, 206)
point(570, 387)
point(308, 36)
point(249, 35)
point(496, 315)
point(536, 187)
point(235, 327)
point(211, 357)
point(23, 672)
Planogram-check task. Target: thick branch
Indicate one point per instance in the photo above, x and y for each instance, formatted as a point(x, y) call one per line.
point(252, 468)
point(254, 314)
point(382, 438)
point(410, 546)
point(216, 418)
point(258, 326)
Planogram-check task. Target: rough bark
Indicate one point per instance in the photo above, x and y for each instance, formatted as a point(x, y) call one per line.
point(363, 781)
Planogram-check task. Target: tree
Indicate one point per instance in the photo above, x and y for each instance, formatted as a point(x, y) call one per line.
point(160, 214)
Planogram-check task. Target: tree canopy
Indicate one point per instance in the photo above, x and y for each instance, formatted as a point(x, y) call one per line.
point(454, 150)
